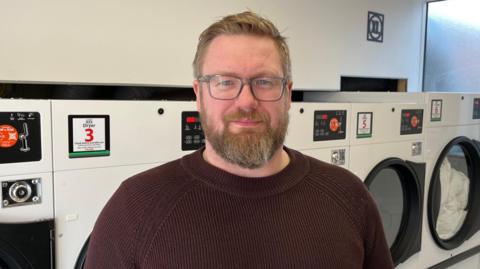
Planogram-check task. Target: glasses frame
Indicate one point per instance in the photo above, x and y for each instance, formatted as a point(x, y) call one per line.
point(243, 82)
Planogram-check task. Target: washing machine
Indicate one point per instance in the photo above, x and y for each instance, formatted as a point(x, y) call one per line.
point(320, 130)
point(97, 145)
point(451, 224)
point(26, 209)
point(386, 151)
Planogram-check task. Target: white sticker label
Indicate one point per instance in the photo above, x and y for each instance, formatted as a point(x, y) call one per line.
point(88, 134)
point(436, 112)
point(364, 124)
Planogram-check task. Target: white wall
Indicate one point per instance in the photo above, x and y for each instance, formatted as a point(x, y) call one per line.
point(153, 41)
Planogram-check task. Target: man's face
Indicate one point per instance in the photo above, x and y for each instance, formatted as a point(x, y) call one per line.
point(243, 131)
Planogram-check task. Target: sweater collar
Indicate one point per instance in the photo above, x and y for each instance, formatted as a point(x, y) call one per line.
point(251, 187)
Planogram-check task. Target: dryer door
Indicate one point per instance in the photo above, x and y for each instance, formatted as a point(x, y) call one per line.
point(10, 258)
point(397, 187)
point(26, 245)
point(454, 194)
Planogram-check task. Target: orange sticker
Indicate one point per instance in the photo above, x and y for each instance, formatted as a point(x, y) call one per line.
point(334, 124)
point(8, 136)
point(414, 122)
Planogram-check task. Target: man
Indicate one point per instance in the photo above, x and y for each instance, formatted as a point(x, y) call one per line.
point(243, 201)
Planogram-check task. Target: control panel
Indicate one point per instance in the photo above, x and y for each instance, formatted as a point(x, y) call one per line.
point(20, 138)
point(192, 132)
point(411, 121)
point(329, 125)
point(476, 108)
point(21, 192)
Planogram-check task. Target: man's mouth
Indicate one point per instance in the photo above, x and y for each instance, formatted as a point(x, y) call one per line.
point(246, 122)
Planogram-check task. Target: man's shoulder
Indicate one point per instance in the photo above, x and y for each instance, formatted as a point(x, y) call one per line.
point(168, 175)
point(343, 187)
point(333, 174)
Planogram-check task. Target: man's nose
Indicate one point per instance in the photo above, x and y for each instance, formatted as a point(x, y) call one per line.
point(246, 99)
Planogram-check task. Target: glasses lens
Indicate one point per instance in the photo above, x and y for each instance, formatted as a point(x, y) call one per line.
point(224, 87)
point(268, 89)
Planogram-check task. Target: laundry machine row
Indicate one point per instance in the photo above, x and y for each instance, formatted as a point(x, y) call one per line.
point(385, 143)
point(49, 205)
point(451, 153)
point(80, 151)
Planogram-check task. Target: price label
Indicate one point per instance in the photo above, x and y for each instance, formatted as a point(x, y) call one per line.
point(89, 136)
point(436, 110)
point(364, 124)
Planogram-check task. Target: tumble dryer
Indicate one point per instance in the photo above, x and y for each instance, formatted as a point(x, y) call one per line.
point(98, 144)
point(453, 180)
point(320, 130)
point(26, 209)
point(386, 151)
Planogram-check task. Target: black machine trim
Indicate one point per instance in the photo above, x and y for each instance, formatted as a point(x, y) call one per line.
point(80, 263)
point(456, 259)
point(412, 177)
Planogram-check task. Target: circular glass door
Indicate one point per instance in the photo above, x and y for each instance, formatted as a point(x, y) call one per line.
point(386, 188)
point(398, 192)
point(454, 185)
point(452, 210)
point(10, 258)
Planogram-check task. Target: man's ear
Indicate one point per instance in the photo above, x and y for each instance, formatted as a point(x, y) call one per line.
point(288, 93)
point(196, 90)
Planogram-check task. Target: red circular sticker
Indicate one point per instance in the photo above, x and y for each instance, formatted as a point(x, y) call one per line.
point(414, 121)
point(334, 124)
point(8, 136)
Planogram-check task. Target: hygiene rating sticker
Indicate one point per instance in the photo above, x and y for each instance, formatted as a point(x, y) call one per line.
point(89, 135)
point(364, 124)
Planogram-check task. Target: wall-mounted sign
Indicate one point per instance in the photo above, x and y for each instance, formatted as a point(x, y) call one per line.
point(375, 27)
point(89, 135)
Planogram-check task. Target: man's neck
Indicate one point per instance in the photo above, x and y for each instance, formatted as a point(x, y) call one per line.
point(279, 160)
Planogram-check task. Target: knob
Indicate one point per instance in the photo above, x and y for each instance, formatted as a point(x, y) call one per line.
point(20, 191)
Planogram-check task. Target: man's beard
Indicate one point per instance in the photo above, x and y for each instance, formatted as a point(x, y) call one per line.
point(248, 148)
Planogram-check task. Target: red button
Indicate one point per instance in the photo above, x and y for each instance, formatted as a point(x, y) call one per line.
point(191, 119)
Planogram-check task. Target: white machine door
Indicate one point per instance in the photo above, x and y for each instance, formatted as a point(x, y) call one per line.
point(454, 194)
point(397, 188)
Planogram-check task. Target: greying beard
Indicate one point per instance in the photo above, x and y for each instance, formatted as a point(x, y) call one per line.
point(247, 149)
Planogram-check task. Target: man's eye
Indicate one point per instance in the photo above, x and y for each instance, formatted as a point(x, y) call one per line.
point(224, 83)
point(264, 83)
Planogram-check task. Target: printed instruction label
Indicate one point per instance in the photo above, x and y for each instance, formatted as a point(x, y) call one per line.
point(89, 136)
point(436, 110)
point(364, 124)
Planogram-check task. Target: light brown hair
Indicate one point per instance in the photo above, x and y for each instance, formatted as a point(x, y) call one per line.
point(242, 23)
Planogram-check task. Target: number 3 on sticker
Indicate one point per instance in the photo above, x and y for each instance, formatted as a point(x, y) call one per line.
point(89, 133)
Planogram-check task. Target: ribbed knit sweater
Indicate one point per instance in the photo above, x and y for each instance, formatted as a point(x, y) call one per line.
point(190, 214)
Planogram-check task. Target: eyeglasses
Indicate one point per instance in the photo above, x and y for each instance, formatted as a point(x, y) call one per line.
point(221, 87)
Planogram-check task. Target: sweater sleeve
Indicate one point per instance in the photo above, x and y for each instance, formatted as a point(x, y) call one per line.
point(377, 252)
point(111, 242)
